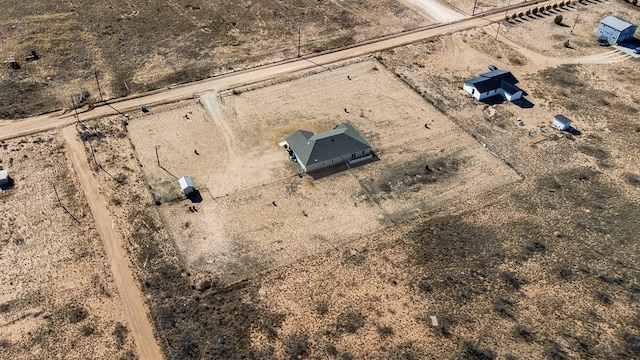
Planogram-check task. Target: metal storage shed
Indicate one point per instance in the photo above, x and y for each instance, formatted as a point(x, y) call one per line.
point(186, 185)
point(561, 122)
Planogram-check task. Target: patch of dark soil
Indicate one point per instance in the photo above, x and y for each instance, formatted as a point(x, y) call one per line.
point(297, 346)
point(411, 175)
point(20, 99)
point(350, 321)
point(451, 239)
point(474, 351)
point(567, 75)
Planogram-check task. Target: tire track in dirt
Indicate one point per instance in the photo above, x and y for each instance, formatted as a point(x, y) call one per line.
point(132, 299)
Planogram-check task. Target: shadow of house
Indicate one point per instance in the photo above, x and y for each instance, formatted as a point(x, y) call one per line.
point(194, 196)
point(341, 145)
point(492, 84)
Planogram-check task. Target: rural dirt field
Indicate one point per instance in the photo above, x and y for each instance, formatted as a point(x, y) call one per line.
point(57, 298)
point(518, 241)
point(140, 46)
point(242, 171)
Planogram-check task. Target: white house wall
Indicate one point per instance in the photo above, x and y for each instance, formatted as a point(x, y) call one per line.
point(511, 97)
point(334, 161)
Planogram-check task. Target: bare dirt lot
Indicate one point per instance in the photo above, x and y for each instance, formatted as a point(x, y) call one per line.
point(57, 298)
point(242, 172)
point(509, 249)
point(141, 46)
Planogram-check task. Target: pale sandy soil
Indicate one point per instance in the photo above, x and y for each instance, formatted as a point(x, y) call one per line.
point(580, 22)
point(352, 265)
point(438, 11)
point(57, 295)
point(241, 170)
point(562, 303)
point(466, 6)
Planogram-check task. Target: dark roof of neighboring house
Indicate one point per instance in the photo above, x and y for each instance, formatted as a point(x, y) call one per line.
point(492, 80)
point(616, 23)
point(312, 148)
point(562, 119)
point(510, 88)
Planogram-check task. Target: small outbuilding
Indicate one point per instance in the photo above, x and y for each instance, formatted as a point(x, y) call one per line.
point(186, 185)
point(493, 83)
point(4, 178)
point(561, 122)
point(615, 30)
point(317, 151)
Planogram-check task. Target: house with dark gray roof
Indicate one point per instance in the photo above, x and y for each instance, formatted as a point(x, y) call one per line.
point(615, 30)
point(336, 146)
point(494, 83)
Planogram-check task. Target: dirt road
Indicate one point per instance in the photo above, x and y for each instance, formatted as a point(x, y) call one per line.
point(436, 10)
point(12, 129)
point(136, 311)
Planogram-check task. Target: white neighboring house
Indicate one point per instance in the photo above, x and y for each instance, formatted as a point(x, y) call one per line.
point(492, 83)
point(186, 185)
point(4, 178)
point(337, 146)
point(616, 30)
point(561, 122)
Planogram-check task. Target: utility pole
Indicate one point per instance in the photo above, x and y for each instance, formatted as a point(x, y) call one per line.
point(505, 16)
point(95, 73)
point(575, 23)
point(73, 103)
point(299, 38)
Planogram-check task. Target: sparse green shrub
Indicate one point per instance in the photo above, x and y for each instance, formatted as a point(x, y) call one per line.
point(632, 344)
point(511, 279)
point(77, 314)
point(555, 351)
point(558, 19)
point(322, 308)
point(385, 331)
point(567, 44)
point(475, 352)
point(504, 308)
point(120, 333)
point(521, 331)
point(564, 272)
point(297, 346)
point(534, 11)
point(350, 321)
point(633, 179)
point(603, 297)
point(424, 286)
point(535, 246)
point(87, 330)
